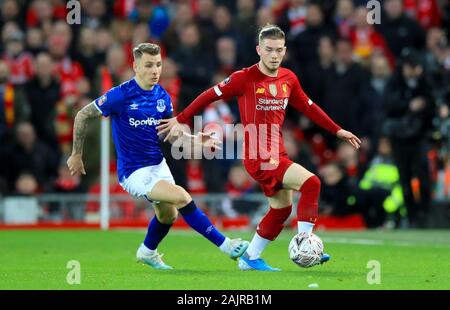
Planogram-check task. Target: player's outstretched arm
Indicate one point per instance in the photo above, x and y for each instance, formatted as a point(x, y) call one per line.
point(230, 87)
point(75, 162)
point(179, 135)
point(166, 126)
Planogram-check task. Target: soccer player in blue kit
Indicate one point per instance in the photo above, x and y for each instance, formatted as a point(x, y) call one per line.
point(136, 108)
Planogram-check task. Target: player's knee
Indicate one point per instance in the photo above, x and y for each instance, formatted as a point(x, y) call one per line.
point(312, 184)
point(168, 217)
point(181, 197)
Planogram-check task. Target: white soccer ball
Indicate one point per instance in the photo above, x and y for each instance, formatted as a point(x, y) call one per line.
point(306, 250)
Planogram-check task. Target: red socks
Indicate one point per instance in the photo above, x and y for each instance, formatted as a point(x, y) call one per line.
point(308, 204)
point(272, 223)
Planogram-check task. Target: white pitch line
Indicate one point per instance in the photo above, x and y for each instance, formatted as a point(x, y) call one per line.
point(353, 241)
point(381, 242)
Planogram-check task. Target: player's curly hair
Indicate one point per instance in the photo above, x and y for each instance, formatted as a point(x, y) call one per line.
point(270, 31)
point(146, 48)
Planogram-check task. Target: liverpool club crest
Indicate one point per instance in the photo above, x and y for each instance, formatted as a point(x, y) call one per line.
point(273, 89)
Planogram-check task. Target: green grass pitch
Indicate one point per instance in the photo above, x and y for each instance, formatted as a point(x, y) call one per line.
point(38, 260)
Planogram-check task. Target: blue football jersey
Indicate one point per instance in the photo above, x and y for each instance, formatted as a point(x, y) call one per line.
point(135, 113)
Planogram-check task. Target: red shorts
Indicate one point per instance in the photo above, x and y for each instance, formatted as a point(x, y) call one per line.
point(268, 173)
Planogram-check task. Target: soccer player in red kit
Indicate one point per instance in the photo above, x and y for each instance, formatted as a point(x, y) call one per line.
point(263, 91)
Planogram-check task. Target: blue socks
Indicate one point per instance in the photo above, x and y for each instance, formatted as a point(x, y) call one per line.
point(194, 217)
point(155, 233)
point(200, 222)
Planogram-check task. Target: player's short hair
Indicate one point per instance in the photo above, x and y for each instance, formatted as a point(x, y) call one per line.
point(270, 32)
point(146, 48)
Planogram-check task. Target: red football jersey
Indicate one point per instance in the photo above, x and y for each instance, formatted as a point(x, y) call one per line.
point(262, 104)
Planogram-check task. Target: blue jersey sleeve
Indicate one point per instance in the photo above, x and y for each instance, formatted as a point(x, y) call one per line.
point(169, 108)
point(111, 102)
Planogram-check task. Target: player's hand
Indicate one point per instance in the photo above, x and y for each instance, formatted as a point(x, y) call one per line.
point(349, 137)
point(75, 164)
point(207, 140)
point(165, 126)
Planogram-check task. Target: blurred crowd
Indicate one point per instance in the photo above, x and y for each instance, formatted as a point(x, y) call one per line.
point(389, 83)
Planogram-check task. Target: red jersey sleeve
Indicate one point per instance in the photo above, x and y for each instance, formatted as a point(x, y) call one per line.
point(232, 86)
point(304, 104)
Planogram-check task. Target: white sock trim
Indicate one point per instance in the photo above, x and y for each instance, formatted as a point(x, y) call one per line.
point(145, 250)
point(224, 247)
point(305, 227)
point(257, 246)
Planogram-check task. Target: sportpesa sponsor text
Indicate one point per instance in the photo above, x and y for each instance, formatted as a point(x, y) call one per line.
point(143, 122)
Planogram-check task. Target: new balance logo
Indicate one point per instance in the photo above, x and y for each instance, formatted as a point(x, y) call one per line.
point(260, 90)
point(209, 229)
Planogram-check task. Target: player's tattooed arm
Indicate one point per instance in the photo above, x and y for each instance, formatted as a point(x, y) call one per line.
point(75, 163)
point(81, 124)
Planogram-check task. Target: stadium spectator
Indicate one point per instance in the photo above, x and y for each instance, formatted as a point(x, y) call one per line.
point(227, 57)
point(298, 150)
point(141, 33)
point(293, 19)
point(342, 87)
point(245, 22)
point(205, 16)
point(194, 174)
point(349, 159)
point(426, 12)
point(223, 25)
point(104, 41)
point(171, 81)
point(26, 185)
point(122, 31)
point(366, 40)
point(30, 155)
point(409, 109)
point(304, 45)
point(18, 59)
point(94, 14)
point(110, 74)
point(13, 104)
point(341, 197)
point(68, 70)
point(313, 74)
point(65, 183)
point(195, 64)
point(9, 11)
point(344, 18)
point(370, 109)
point(383, 173)
point(399, 30)
point(237, 186)
point(35, 41)
point(87, 54)
point(43, 93)
point(264, 16)
point(183, 16)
